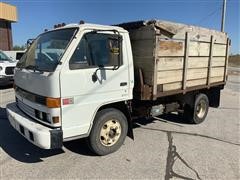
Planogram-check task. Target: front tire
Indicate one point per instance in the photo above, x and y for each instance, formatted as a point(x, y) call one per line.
point(108, 132)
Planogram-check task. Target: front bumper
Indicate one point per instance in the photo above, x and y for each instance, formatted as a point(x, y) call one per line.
point(40, 135)
point(5, 79)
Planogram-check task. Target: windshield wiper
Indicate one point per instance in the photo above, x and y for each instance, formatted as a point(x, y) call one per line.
point(34, 68)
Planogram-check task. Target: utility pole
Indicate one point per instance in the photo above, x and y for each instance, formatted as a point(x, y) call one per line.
point(223, 15)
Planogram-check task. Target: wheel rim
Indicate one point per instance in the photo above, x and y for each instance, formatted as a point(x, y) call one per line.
point(201, 109)
point(110, 132)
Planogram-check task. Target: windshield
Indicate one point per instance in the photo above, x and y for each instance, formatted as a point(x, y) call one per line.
point(46, 51)
point(3, 57)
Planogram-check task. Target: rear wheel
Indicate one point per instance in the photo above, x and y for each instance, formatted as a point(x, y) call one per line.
point(108, 131)
point(198, 112)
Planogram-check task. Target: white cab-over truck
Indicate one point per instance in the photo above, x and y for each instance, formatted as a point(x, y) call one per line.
point(87, 80)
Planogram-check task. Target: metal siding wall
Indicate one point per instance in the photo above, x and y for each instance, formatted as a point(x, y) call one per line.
point(8, 12)
point(5, 35)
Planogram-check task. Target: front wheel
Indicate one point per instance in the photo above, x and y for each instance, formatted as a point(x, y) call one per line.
point(198, 113)
point(108, 132)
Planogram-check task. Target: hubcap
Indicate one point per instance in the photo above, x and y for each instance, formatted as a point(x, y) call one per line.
point(110, 132)
point(201, 109)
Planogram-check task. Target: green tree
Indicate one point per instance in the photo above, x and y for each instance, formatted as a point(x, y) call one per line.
point(17, 47)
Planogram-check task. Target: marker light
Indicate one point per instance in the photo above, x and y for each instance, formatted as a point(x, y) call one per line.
point(56, 119)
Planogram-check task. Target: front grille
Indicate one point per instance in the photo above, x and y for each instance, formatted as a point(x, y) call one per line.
point(32, 112)
point(25, 108)
point(30, 96)
point(9, 70)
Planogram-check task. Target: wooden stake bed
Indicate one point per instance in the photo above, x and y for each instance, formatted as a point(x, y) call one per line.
point(171, 58)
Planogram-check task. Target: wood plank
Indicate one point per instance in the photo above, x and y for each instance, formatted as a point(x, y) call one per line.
point(176, 63)
point(199, 49)
point(196, 33)
point(198, 62)
point(172, 86)
point(218, 61)
point(217, 71)
point(169, 76)
point(197, 73)
point(190, 83)
point(219, 50)
point(170, 63)
point(216, 79)
point(169, 48)
point(176, 75)
point(196, 82)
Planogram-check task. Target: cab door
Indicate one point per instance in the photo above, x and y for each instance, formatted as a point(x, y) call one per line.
point(96, 74)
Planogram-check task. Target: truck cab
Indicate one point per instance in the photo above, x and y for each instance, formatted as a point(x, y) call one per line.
point(66, 78)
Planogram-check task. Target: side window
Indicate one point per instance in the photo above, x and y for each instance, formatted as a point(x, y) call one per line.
point(96, 49)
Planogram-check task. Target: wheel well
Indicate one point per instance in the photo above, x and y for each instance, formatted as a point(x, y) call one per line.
point(122, 106)
point(213, 95)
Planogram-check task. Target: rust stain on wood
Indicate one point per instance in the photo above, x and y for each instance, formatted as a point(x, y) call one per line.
point(171, 46)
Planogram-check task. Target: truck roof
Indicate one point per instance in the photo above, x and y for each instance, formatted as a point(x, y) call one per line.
point(93, 26)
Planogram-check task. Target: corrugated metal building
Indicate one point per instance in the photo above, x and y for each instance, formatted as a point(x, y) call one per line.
point(8, 15)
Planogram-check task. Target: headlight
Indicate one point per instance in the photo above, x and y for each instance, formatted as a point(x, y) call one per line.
point(1, 68)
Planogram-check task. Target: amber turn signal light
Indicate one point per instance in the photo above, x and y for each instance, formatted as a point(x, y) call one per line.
point(53, 102)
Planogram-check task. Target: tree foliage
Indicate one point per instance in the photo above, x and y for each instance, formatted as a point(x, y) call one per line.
point(17, 47)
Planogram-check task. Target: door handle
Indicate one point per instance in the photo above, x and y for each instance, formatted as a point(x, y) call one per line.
point(123, 83)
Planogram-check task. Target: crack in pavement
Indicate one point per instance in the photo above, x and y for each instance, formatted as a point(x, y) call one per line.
point(171, 159)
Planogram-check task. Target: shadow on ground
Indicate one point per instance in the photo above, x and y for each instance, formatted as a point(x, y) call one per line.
point(9, 86)
point(20, 149)
point(17, 147)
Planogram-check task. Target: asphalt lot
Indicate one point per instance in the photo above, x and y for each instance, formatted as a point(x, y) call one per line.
point(162, 148)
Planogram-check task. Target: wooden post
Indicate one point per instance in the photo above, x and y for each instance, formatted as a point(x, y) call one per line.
point(226, 60)
point(210, 61)
point(185, 61)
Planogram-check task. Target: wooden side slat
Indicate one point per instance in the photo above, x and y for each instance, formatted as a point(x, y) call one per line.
point(170, 48)
point(219, 50)
point(217, 71)
point(169, 76)
point(190, 83)
point(199, 49)
point(170, 63)
point(176, 63)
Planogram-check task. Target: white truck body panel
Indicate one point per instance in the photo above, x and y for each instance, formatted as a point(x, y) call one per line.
point(44, 84)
